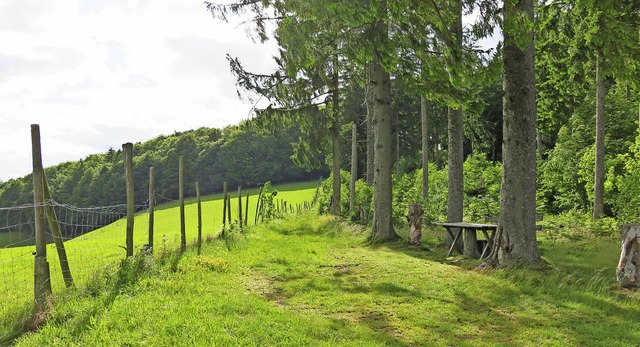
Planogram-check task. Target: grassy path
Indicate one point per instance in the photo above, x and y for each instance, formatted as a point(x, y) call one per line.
point(311, 281)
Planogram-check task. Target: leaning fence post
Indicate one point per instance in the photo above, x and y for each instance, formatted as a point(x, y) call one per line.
point(127, 150)
point(41, 274)
point(183, 235)
point(258, 204)
point(54, 226)
point(152, 201)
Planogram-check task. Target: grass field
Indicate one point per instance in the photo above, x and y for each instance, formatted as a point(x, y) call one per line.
point(313, 281)
point(91, 253)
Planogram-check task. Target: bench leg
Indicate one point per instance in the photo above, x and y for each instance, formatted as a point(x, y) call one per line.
point(488, 246)
point(484, 250)
point(455, 240)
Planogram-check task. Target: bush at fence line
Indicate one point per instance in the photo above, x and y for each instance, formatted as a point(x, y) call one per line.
point(268, 209)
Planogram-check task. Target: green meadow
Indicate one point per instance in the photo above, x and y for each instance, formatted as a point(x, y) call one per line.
point(310, 280)
point(94, 252)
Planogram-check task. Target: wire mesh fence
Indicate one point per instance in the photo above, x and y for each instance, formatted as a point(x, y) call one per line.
point(94, 238)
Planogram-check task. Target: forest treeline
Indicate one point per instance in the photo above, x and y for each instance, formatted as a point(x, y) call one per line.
point(240, 155)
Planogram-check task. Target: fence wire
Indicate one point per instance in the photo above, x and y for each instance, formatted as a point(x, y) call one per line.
point(94, 238)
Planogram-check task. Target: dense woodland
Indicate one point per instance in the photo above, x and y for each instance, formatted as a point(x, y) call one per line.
point(545, 122)
point(240, 155)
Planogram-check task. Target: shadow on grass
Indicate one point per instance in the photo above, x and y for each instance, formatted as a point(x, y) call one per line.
point(575, 299)
point(98, 293)
point(106, 288)
point(302, 227)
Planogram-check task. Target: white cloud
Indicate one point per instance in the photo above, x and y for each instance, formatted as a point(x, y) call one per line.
point(96, 74)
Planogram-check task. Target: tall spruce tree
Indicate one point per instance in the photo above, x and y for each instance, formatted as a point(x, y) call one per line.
point(515, 240)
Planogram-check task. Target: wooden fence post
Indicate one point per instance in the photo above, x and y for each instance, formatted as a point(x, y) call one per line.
point(152, 202)
point(240, 207)
point(127, 150)
point(183, 234)
point(224, 207)
point(229, 209)
point(199, 215)
point(246, 208)
point(54, 226)
point(41, 274)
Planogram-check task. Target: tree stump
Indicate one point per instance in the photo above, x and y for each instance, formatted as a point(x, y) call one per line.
point(414, 217)
point(628, 270)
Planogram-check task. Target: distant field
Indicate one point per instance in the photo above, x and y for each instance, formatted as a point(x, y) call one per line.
point(90, 253)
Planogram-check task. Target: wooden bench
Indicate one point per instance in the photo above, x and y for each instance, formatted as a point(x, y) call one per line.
point(489, 231)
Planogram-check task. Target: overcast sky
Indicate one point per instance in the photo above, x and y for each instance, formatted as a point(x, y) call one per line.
point(96, 74)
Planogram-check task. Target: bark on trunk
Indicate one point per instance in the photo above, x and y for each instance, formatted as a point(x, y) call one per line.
point(335, 140)
point(370, 131)
point(455, 131)
point(354, 167)
point(628, 270)
point(396, 133)
point(335, 169)
point(455, 160)
point(414, 218)
point(470, 241)
point(598, 194)
point(425, 148)
point(515, 240)
point(382, 196)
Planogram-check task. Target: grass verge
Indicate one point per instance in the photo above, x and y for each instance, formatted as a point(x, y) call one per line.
point(313, 281)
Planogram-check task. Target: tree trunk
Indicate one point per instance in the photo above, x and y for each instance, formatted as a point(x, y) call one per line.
point(335, 169)
point(425, 148)
point(455, 131)
point(598, 194)
point(515, 240)
point(396, 133)
point(382, 123)
point(628, 270)
point(354, 167)
point(455, 159)
point(370, 130)
point(335, 141)
point(414, 218)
